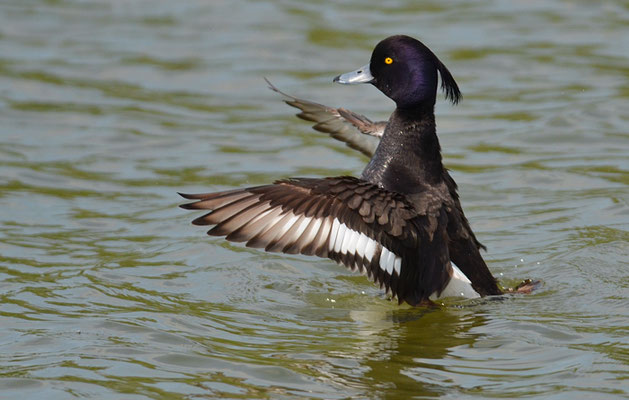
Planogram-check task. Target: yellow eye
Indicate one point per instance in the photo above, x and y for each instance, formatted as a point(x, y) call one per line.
point(388, 60)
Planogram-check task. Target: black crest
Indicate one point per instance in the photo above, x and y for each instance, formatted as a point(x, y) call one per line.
point(448, 84)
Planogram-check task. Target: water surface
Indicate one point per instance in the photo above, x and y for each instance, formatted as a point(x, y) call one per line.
point(109, 108)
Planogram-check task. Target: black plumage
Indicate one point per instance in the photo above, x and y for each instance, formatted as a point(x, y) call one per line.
point(401, 222)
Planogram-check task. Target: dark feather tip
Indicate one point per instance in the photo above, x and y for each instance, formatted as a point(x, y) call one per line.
point(276, 89)
point(200, 221)
point(186, 195)
point(271, 86)
point(187, 206)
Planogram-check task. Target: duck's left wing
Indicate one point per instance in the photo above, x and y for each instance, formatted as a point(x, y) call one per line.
point(355, 130)
point(346, 219)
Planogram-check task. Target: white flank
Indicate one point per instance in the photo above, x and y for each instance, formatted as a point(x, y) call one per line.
point(459, 286)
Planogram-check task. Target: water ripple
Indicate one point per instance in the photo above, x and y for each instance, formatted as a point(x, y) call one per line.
point(109, 108)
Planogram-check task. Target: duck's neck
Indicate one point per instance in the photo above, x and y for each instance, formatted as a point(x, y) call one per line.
point(408, 158)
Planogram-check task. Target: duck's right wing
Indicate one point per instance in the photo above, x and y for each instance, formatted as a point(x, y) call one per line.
point(346, 219)
point(357, 131)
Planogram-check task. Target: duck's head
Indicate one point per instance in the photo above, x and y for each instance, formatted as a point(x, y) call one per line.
point(405, 70)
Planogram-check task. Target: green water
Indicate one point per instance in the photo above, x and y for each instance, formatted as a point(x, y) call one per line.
point(109, 108)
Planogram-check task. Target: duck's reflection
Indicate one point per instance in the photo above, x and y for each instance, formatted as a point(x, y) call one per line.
point(395, 350)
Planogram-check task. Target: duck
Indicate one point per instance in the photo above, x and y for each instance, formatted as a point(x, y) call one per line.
point(400, 222)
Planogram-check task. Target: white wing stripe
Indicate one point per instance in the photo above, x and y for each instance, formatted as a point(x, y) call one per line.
point(323, 235)
point(346, 239)
point(370, 249)
point(302, 227)
point(361, 244)
point(339, 238)
point(312, 230)
point(349, 242)
point(333, 232)
point(287, 225)
point(260, 216)
point(352, 243)
point(390, 262)
point(384, 256)
point(398, 265)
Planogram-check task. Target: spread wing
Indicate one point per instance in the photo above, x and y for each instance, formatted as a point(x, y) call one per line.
point(357, 131)
point(346, 219)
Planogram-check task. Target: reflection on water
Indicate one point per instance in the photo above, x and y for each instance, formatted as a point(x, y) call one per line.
point(109, 108)
point(407, 359)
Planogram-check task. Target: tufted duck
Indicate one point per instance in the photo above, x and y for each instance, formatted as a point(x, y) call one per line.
point(401, 222)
